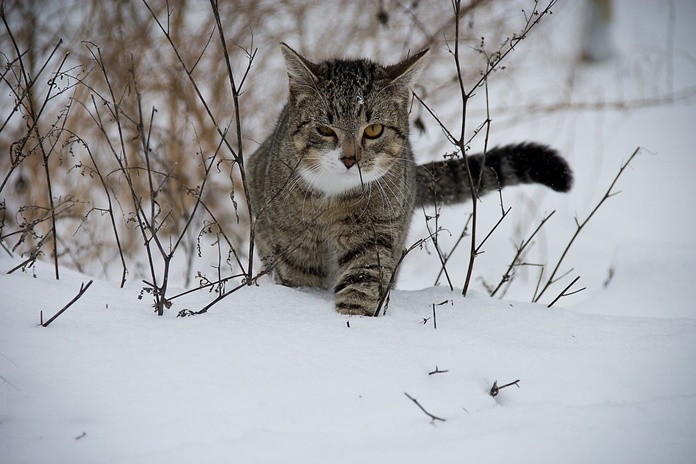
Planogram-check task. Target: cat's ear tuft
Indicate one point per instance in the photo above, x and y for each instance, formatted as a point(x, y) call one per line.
point(301, 71)
point(408, 71)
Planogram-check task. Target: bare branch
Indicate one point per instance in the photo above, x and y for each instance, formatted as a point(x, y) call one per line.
point(495, 389)
point(433, 418)
point(566, 293)
point(520, 249)
point(581, 225)
point(83, 289)
point(438, 371)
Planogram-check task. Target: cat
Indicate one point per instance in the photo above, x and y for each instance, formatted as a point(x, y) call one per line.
point(334, 187)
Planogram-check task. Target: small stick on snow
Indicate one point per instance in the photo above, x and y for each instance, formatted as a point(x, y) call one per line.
point(433, 418)
point(83, 289)
point(495, 389)
point(435, 315)
point(438, 371)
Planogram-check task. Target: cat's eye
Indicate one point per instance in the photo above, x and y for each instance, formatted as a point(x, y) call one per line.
point(325, 131)
point(373, 131)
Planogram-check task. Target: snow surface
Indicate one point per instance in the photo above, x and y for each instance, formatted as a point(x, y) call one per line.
point(280, 377)
point(272, 374)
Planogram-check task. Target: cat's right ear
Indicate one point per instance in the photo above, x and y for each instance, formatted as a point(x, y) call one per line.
point(301, 72)
point(408, 71)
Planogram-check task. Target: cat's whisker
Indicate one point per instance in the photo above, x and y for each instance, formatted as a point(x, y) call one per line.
point(384, 185)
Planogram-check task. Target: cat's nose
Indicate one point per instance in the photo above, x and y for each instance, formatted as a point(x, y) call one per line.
point(349, 162)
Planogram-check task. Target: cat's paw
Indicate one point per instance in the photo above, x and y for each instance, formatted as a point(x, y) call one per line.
point(355, 310)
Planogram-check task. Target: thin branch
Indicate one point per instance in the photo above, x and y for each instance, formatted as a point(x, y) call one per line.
point(83, 289)
point(239, 156)
point(495, 389)
point(404, 252)
point(454, 247)
point(581, 225)
point(438, 371)
point(531, 21)
point(464, 95)
point(566, 293)
point(438, 250)
point(520, 249)
point(433, 418)
point(490, 232)
point(198, 197)
point(107, 193)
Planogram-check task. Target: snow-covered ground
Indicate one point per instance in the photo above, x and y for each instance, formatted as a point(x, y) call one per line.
point(272, 374)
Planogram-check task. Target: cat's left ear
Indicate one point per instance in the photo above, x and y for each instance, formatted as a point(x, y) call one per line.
point(301, 71)
point(408, 71)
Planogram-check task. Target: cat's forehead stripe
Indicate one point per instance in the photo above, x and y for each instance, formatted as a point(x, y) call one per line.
point(348, 84)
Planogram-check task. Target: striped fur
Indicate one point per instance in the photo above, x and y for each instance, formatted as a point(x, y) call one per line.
point(447, 182)
point(334, 187)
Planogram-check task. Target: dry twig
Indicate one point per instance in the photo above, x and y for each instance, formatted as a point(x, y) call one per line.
point(433, 418)
point(83, 289)
point(438, 371)
point(580, 225)
point(495, 389)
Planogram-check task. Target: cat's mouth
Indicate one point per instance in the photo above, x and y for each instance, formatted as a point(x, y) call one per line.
point(335, 175)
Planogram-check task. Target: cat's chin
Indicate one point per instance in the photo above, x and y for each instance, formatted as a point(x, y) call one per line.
point(338, 181)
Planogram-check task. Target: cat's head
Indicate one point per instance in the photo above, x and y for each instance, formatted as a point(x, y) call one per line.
point(349, 118)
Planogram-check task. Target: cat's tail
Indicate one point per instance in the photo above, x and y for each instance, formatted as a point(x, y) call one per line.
point(446, 182)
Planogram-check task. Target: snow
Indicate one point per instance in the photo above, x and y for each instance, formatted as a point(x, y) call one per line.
point(278, 376)
point(273, 374)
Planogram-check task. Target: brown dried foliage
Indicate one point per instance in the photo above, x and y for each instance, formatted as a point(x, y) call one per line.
point(88, 80)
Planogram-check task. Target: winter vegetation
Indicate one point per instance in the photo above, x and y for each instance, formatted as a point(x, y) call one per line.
point(138, 325)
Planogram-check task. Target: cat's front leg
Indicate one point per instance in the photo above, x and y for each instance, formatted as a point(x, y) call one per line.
point(365, 267)
point(296, 260)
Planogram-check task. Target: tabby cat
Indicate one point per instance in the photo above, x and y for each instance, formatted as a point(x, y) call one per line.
point(334, 187)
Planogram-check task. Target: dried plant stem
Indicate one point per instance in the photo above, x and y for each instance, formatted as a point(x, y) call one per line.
point(34, 115)
point(438, 371)
point(463, 234)
point(112, 217)
point(83, 289)
point(236, 152)
point(580, 225)
point(120, 155)
point(438, 250)
point(566, 293)
point(477, 250)
point(492, 63)
point(433, 418)
point(520, 249)
point(25, 97)
point(392, 280)
point(239, 154)
point(159, 291)
point(460, 142)
point(33, 256)
point(495, 389)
